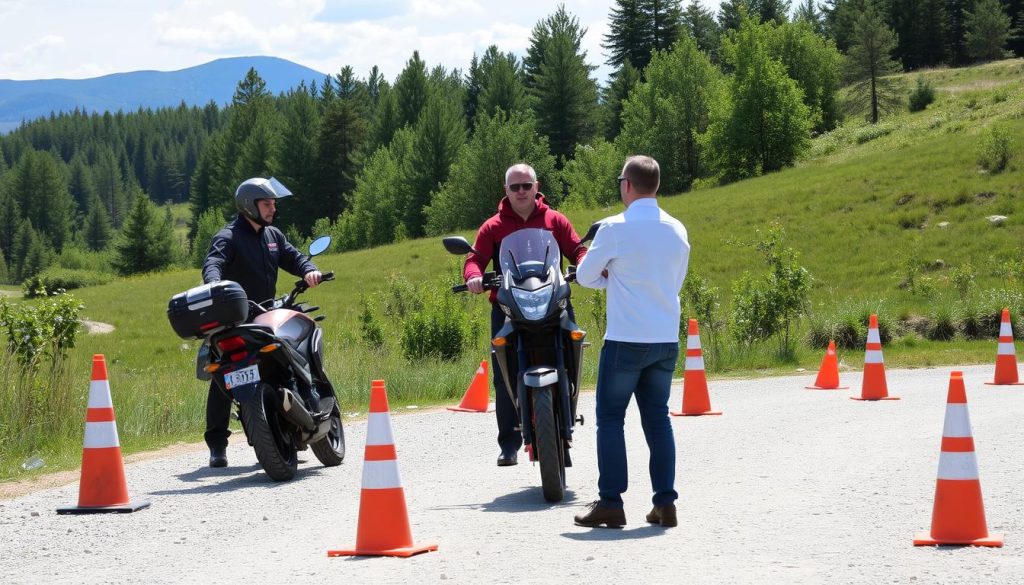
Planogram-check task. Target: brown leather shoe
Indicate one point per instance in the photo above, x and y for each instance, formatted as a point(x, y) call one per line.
point(597, 515)
point(664, 515)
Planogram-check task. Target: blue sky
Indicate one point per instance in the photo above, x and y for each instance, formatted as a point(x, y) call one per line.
point(44, 39)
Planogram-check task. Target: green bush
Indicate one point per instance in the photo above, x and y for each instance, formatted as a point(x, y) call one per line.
point(590, 176)
point(439, 329)
point(57, 280)
point(941, 324)
point(995, 149)
point(373, 333)
point(922, 96)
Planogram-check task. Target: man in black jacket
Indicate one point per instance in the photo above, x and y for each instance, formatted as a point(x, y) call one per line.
point(249, 251)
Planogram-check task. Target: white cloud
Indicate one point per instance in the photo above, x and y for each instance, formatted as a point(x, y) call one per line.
point(33, 51)
point(108, 36)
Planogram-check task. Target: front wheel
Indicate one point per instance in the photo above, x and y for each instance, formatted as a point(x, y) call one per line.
point(549, 446)
point(330, 450)
point(264, 425)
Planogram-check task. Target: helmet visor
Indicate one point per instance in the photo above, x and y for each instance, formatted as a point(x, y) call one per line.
point(277, 188)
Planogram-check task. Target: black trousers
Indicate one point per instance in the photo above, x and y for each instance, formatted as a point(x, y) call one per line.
point(509, 439)
point(218, 416)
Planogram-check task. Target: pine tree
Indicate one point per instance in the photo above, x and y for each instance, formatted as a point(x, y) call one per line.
point(869, 63)
point(207, 226)
point(147, 242)
point(500, 77)
point(807, 11)
point(920, 27)
point(474, 186)
point(621, 83)
point(42, 195)
point(564, 95)
point(343, 133)
point(96, 229)
point(731, 13)
point(411, 90)
point(10, 219)
point(776, 11)
point(298, 157)
point(439, 136)
point(628, 39)
point(700, 23)
point(987, 31)
point(639, 28)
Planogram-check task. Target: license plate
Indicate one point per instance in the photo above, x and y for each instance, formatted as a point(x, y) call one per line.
point(249, 375)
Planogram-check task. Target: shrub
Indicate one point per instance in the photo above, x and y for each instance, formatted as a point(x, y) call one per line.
point(372, 332)
point(995, 149)
point(922, 96)
point(941, 324)
point(963, 278)
point(48, 328)
point(54, 281)
point(590, 176)
point(439, 329)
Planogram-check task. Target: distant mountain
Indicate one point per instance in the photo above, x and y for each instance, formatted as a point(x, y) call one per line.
point(216, 80)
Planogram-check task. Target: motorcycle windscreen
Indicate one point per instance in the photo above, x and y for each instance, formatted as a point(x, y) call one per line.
point(528, 253)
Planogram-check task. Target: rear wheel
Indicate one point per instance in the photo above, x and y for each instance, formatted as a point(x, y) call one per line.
point(330, 450)
point(269, 435)
point(549, 448)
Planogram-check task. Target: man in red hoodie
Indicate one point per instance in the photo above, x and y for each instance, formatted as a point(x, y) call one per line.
point(522, 207)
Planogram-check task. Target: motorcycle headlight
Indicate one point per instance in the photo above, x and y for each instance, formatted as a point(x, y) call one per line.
point(533, 303)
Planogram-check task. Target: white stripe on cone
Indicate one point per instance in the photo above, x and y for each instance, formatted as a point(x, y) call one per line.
point(99, 435)
point(1005, 349)
point(381, 475)
point(695, 363)
point(378, 429)
point(1005, 330)
point(873, 336)
point(958, 465)
point(958, 421)
point(693, 342)
point(99, 394)
point(872, 356)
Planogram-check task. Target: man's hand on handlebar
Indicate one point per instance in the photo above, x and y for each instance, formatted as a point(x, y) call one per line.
point(313, 278)
point(475, 285)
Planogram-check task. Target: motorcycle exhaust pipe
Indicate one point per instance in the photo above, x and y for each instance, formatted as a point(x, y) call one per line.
point(297, 413)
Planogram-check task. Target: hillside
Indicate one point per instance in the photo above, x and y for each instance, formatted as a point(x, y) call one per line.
point(214, 81)
point(866, 203)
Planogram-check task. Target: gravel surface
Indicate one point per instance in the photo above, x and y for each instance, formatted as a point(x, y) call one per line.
point(788, 486)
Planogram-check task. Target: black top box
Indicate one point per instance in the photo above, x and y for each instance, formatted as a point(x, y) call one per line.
point(206, 309)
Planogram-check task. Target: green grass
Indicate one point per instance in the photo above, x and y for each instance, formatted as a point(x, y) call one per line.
point(862, 201)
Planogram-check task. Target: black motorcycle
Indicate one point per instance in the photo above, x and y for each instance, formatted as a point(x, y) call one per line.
point(268, 357)
point(533, 293)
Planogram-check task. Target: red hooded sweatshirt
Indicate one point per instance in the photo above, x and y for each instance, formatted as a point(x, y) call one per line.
point(506, 221)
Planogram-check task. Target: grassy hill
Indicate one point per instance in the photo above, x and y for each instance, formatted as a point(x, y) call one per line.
point(864, 201)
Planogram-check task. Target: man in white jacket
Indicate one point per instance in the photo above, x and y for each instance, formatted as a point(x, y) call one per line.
point(640, 256)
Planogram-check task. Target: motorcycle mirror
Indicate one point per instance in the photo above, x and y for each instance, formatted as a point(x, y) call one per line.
point(457, 245)
point(591, 232)
point(319, 245)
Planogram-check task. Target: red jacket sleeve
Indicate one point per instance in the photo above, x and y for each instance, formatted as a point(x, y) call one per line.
point(568, 240)
point(476, 264)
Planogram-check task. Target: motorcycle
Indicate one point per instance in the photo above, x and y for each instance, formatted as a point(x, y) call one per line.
point(270, 365)
point(533, 294)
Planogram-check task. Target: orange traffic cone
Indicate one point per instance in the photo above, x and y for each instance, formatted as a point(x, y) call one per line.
point(383, 528)
point(476, 398)
point(1006, 357)
point(102, 487)
point(873, 386)
point(959, 513)
point(695, 383)
point(828, 374)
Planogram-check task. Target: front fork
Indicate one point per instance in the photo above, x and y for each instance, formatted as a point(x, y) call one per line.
point(567, 396)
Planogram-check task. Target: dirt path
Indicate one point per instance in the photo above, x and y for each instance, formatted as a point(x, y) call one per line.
point(788, 486)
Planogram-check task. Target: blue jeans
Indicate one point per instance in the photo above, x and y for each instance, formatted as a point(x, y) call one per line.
point(644, 370)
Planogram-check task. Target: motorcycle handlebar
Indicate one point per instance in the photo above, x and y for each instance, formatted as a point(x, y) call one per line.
point(490, 281)
point(301, 283)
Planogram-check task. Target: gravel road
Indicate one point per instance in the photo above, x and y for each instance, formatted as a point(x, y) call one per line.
point(788, 486)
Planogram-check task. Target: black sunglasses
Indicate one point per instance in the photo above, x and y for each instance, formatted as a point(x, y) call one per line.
point(621, 179)
point(516, 187)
